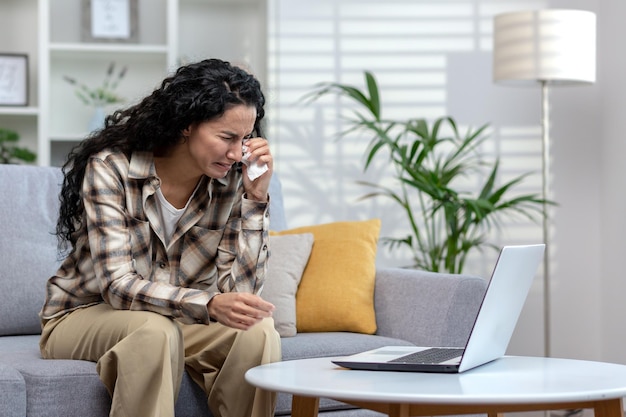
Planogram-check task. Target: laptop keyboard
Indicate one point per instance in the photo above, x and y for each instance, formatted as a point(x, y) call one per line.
point(432, 355)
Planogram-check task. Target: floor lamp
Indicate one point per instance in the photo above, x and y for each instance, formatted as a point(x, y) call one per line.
point(545, 48)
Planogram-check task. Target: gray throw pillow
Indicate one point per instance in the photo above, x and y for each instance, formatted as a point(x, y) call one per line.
point(288, 258)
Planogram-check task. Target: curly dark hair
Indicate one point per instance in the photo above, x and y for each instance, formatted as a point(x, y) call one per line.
point(197, 92)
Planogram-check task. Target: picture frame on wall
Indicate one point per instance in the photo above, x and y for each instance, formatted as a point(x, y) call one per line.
point(13, 79)
point(110, 21)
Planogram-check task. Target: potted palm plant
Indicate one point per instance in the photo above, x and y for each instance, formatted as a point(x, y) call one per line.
point(430, 161)
point(100, 96)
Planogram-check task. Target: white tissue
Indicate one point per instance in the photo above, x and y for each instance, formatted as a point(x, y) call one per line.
point(256, 168)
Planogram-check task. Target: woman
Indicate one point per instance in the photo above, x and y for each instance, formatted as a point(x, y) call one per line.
point(167, 238)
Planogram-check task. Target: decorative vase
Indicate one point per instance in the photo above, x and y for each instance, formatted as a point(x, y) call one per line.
point(97, 119)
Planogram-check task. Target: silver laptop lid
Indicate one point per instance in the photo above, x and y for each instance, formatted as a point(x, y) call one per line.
point(502, 305)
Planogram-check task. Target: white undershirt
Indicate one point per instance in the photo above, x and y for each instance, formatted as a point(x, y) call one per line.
point(170, 215)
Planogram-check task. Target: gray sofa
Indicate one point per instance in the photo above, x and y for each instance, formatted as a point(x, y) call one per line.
point(412, 307)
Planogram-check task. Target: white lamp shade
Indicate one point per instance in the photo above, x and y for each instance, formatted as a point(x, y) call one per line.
point(557, 46)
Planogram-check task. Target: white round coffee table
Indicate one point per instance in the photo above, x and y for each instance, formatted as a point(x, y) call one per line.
point(509, 384)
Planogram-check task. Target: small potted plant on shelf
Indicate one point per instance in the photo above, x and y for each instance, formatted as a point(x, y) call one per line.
point(100, 96)
point(10, 153)
point(447, 220)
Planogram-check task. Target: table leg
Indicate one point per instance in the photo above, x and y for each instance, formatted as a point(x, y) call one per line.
point(399, 410)
point(609, 408)
point(304, 406)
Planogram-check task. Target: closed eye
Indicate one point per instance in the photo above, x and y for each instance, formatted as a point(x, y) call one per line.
point(234, 136)
point(229, 136)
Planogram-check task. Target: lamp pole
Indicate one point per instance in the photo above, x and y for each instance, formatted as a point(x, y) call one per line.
point(545, 177)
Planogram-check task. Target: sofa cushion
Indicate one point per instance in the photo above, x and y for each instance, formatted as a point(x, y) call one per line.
point(12, 392)
point(427, 308)
point(29, 210)
point(337, 288)
point(46, 383)
point(289, 256)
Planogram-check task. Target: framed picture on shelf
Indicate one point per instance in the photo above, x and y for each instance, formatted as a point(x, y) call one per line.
point(13, 79)
point(109, 21)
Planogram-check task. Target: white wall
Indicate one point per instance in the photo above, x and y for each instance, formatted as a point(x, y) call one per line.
point(612, 184)
point(319, 174)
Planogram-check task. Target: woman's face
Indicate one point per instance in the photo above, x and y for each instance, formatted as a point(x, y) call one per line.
point(216, 145)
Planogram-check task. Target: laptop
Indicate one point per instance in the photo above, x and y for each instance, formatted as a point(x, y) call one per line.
point(495, 322)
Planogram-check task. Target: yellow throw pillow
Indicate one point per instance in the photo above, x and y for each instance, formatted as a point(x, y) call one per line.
point(336, 292)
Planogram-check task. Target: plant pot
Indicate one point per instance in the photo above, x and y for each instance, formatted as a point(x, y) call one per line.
point(97, 119)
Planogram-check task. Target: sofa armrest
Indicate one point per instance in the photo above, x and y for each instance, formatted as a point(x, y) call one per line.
point(427, 308)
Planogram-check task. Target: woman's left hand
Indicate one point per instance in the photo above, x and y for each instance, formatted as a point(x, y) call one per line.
point(259, 151)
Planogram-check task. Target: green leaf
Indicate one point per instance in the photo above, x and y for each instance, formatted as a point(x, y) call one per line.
point(372, 88)
point(24, 154)
point(7, 135)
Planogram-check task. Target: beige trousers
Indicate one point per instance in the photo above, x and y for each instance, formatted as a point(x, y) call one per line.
point(141, 356)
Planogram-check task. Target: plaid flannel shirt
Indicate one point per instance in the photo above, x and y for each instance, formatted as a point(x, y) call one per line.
point(220, 244)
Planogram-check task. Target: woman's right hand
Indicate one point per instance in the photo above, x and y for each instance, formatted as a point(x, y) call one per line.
point(239, 310)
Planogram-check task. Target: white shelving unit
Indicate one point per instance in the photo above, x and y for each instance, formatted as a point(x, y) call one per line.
point(170, 32)
point(17, 20)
